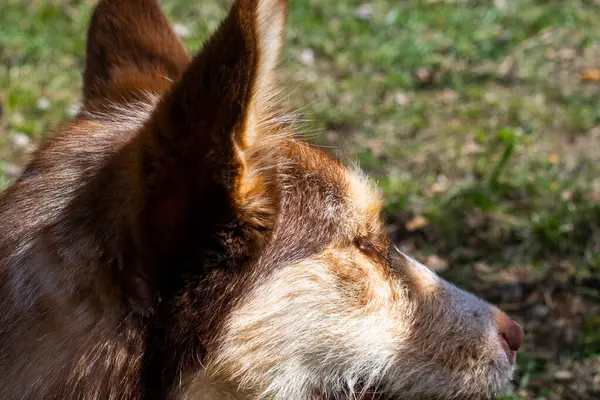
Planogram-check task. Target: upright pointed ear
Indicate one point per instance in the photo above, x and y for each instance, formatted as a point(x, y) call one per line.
point(131, 48)
point(198, 153)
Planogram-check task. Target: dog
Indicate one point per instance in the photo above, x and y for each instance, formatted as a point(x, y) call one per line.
point(178, 240)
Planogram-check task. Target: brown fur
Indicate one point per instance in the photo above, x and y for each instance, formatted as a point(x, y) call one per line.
point(168, 242)
point(123, 58)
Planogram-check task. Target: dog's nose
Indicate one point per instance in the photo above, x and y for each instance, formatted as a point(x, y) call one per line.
point(510, 331)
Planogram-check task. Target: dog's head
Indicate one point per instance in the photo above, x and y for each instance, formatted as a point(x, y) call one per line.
point(271, 255)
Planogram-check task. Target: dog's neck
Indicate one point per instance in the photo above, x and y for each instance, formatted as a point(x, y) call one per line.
point(203, 387)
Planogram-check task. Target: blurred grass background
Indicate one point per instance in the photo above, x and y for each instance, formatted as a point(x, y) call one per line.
point(479, 119)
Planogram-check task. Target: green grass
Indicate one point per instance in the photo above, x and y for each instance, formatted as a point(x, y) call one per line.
point(471, 114)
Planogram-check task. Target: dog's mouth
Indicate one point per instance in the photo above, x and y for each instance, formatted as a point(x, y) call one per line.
point(359, 394)
point(510, 354)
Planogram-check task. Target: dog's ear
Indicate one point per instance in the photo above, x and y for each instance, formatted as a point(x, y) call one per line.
point(197, 155)
point(131, 49)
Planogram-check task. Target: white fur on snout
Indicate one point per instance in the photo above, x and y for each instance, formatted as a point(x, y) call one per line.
point(298, 335)
point(303, 331)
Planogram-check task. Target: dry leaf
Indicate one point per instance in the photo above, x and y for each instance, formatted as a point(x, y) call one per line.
point(424, 76)
point(436, 263)
point(181, 30)
point(20, 140)
point(482, 268)
point(563, 375)
point(470, 147)
point(401, 99)
point(566, 53)
point(448, 96)
point(567, 195)
point(442, 185)
point(365, 11)
point(307, 57)
point(550, 53)
point(417, 223)
point(590, 75)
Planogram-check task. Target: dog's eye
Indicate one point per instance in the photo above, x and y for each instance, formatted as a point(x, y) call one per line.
point(365, 246)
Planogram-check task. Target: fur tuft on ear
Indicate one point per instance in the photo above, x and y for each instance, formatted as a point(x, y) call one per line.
point(131, 49)
point(271, 17)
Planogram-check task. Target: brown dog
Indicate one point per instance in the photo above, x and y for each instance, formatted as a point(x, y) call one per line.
point(177, 241)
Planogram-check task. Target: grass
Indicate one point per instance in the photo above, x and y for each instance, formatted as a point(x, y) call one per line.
point(479, 119)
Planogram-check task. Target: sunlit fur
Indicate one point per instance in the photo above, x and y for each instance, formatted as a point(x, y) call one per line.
point(338, 321)
point(178, 240)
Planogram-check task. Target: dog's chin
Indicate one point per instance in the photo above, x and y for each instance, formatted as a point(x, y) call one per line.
point(489, 391)
point(368, 395)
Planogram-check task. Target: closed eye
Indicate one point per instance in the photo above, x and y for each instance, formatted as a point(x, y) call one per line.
point(365, 246)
